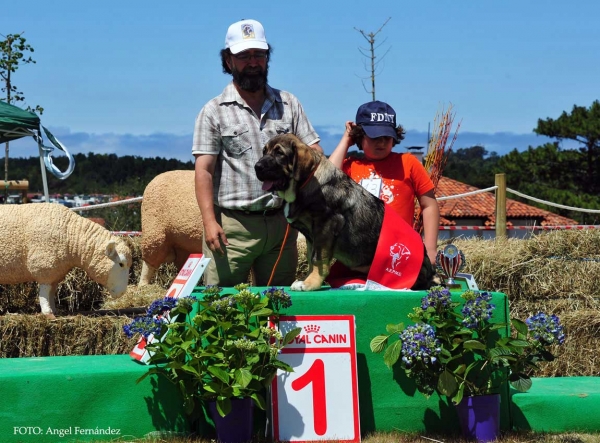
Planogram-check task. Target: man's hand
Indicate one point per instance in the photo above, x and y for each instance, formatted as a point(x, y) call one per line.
point(215, 238)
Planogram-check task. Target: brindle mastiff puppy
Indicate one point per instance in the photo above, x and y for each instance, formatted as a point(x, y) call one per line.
point(338, 217)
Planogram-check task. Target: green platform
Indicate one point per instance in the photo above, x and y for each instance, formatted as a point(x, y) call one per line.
point(561, 404)
point(53, 393)
point(91, 397)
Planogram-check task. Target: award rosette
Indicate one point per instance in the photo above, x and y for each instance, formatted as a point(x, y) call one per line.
point(450, 261)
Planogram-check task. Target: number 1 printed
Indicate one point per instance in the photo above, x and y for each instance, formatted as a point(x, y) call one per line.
point(316, 376)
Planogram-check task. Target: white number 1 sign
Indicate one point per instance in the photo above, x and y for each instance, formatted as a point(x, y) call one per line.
point(319, 400)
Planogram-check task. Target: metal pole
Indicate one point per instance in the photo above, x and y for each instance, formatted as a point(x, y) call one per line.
point(44, 177)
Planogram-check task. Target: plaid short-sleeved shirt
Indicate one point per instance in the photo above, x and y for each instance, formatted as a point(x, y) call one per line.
point(227, 127)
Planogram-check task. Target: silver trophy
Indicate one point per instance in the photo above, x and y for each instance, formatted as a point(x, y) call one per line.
point(450, 261)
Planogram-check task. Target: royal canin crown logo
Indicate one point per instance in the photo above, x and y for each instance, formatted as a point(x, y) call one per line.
point(312, 328)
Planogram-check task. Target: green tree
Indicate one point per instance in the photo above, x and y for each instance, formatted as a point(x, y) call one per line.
point(13, 52)
point(473, 166)
point(583, 126)
point(552, 174)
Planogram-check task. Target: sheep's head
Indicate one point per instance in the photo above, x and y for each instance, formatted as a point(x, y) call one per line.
point(118, 274)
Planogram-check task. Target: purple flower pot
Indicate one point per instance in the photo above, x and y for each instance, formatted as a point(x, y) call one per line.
point(479, 417)
point(237, 426)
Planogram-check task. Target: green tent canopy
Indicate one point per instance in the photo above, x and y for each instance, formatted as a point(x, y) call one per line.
point(16, 123)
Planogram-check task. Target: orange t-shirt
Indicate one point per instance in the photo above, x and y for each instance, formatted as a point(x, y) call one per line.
point(402, 177)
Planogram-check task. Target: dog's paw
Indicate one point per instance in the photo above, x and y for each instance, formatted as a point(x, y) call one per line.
point(437, 280)
point(306, 285)
point(298, 286)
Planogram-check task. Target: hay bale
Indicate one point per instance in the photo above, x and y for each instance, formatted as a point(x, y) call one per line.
point(554, 264)
point(38, 336)
point(136, 297)
point(554, 272)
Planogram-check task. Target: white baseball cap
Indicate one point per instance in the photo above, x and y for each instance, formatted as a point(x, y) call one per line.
point(244, 35)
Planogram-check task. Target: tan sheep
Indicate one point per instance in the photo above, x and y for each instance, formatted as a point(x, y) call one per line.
point(42, 242)
point(171, 222)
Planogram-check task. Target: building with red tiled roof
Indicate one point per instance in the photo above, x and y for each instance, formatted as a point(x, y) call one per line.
point(479, 210)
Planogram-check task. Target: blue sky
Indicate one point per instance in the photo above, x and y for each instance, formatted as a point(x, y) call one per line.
point(129, 77)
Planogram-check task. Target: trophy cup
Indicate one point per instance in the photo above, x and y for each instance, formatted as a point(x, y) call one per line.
point(450, 261)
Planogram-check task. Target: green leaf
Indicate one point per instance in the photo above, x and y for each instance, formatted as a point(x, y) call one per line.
point(500, 352)
point(265, 312)
point(242, 377)
point(291, 335)
point(497, 326)
point(519, 343)
point(191, 369)
point(219, 373)
point(223, 406)
point(394, 329)
point(379, 343)
point(521, 383)
point(259, 400)
point(392, 353)
point(474, 344)
point(459, 394)
point(282, 365)
point(447, 384)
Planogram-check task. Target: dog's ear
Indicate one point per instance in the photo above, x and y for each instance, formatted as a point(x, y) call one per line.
point(305, 160)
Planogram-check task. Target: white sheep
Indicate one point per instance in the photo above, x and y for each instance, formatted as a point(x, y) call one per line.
point(171, 222)
point(42, 242)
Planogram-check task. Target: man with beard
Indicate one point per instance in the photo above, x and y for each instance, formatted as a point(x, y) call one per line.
point(244, 226)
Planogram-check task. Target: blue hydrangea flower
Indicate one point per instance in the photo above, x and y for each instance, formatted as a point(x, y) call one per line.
point(419, 343)
point(187, 301)
point(546, 328)
point(223, 304)
point(436, 296)
point(477, 310)
point(162, 305)
point(143, 325)
point(212, 292)
point(279, 298)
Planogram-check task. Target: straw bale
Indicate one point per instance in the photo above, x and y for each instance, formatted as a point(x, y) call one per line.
point(136, 297)
point(37, 336)
point(550, 265)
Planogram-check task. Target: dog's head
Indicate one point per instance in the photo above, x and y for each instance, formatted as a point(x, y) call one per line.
point(285, 162)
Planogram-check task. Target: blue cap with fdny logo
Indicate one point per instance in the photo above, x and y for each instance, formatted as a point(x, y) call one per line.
point(378, 119)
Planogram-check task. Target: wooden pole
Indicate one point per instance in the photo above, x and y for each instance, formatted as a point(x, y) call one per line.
point(15, 185)
point(21, 186)
point(501, 206)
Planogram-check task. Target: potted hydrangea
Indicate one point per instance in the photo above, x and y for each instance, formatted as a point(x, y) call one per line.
point(221, 351)
point(456, 350)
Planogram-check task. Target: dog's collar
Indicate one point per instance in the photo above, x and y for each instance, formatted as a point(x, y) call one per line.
point(312, 173)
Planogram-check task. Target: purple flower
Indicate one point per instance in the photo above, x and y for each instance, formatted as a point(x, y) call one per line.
point(546, 328)
point(223, 304)
point(279, 298)
point(160, 306)
point(436, 296)
point(144, 326)
point(212, 292)
point(419, 343)
point(477, 309)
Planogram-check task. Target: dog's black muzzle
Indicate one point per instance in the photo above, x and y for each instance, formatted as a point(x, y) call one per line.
point(266, 168)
